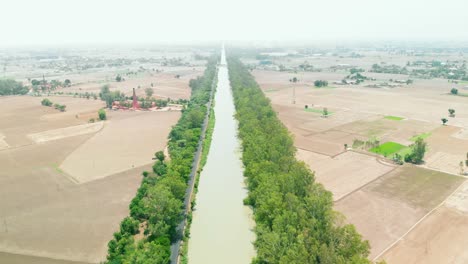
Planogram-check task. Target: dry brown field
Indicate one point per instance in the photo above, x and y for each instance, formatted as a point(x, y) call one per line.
point(385, 202)
point(66, 184)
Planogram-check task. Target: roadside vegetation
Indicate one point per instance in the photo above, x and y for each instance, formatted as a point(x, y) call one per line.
point(295, 222)
point(157, 208)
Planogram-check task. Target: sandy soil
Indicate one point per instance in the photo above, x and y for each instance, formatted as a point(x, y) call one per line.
point(385, 209)
point(164, 83)
point(441, 238)
point(424, 100)
point(344, 173)
point(459, 200)
point(66, 132)
point(128, 140)
point(23, 115)
point(446, 150)
point(378, 219)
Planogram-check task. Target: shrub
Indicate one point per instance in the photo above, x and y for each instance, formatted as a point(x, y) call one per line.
point(320, 83)
point(46, 102)
point(102, 114)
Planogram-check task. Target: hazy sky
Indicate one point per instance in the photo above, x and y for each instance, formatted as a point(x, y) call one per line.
point(44, 22)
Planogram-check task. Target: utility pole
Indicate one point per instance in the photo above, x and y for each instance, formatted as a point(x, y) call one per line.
point(294, 93)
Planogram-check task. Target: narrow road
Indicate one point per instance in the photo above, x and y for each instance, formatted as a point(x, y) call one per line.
point(175, 248)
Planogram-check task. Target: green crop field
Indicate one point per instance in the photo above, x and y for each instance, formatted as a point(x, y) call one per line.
point(422, 136)
point(395, 118)
point(388, 148)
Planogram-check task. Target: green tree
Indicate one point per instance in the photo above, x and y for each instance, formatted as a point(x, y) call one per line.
point(160, 156)
point(325, 112)
point(418, 149)
point(149, 92)
point(129, 226)
point(444, 121)
point(320, 83)
point(118, 78)
point(67, 83)
point(46, 102)
point(160, 168)
point(102, 114)
point(454, 91)
point(451, 112)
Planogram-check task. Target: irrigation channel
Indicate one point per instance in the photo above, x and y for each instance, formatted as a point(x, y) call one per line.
point(222, 226)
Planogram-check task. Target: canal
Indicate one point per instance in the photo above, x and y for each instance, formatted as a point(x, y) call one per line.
point(222, 227)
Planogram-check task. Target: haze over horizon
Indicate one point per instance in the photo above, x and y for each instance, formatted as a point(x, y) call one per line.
point(53, 22)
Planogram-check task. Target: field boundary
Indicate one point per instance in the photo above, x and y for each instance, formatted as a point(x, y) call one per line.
point(417, 223)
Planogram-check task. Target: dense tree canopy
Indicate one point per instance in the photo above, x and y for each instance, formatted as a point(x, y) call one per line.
point(12, 87)
point(295, 222)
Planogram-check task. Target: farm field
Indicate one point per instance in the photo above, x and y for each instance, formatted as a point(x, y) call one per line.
point(66, 182)
point(75, 187)
point(383, 200)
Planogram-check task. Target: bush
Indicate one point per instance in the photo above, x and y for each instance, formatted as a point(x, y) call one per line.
point(454, 91)
point(102, 114)
point(46, 102)
point(320, 83)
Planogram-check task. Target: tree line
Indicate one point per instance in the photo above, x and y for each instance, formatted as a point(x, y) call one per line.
point(295, 222)
point(157, 208)
point(12, 87)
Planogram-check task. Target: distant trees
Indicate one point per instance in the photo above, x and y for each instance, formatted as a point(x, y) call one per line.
point(67, 83)
point(356, 70)
point(444, 121)
point(12, 87)
point(418, 149)
point(149, 92)
point(451, 112)
point(454, 91)
point(109, 97)
point(320, 83)
point(118, 78)
point(102, 114)
point(294, 80)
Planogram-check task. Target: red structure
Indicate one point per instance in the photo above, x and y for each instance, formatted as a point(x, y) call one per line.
point(135, 101)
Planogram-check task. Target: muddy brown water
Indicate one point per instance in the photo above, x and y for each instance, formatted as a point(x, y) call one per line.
point(222, 227)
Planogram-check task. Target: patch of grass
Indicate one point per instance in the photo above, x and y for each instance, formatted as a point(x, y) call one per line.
point(271, 90)
point(316, 110)
point(388, 148)
point(422, 136)
point(395, 118)
point(56, 167)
